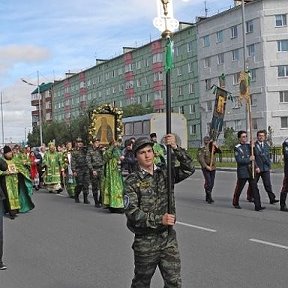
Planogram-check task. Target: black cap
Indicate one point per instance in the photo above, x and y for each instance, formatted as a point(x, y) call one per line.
point(140, 143)
point(152, 135)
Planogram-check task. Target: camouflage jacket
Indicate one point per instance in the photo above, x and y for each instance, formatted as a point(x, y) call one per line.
point(146, 197)
point(78, 160)
point(94, 159)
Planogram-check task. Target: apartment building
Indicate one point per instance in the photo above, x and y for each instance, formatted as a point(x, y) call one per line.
point(137, 76)
point(202, 53)
point(220, 50)
point(41, 99)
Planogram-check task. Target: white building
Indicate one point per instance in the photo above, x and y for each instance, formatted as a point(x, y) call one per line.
point(220, 50)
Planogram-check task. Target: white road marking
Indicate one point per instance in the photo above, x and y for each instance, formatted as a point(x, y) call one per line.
point(196, 227)
point(269, 243)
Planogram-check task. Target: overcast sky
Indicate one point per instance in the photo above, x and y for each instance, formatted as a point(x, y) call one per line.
point(54, 37)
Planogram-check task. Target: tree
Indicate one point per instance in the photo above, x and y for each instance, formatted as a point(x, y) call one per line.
point(230, 138)
point(136, 109)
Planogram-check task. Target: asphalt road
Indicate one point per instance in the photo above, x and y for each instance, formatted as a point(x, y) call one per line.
point(61, 244)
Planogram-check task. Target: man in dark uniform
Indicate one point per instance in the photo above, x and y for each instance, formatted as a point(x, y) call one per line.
point(284, 190)
point(80, 171)
point(146, 201)
point(95, 164)
point(208, 166)
point(3, 167)
point(245, 161)
point(262, 158)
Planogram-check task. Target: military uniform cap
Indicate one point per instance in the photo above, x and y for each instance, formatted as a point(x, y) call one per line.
point(79, 139)
point(141, 142)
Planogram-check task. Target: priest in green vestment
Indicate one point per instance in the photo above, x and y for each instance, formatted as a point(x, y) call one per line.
point(16, 185)
point(113, 181)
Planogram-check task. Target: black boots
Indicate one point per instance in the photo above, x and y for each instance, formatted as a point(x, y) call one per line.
point(283, 206)
point(86, 201)
point(209, 199)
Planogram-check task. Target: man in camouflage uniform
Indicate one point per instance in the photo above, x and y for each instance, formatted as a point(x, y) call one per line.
point(208, 165)
point(146, 201)
point(80, 171)
point(95, 164)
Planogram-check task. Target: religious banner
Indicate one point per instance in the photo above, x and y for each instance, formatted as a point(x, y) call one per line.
point(218, 113)
point(106, 124)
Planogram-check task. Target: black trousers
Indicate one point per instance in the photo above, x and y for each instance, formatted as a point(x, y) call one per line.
point(209, 177)
point(239, 187)
point(265, 175)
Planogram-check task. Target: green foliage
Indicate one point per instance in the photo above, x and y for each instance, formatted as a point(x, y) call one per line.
point(230, 138)
point(136, 109)
point(61, 132)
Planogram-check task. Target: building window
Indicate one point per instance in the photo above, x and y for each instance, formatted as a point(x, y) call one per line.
point(283, 96)
point(120, 71)
point(208, 84)
point(281, 20)
point(209, 106)
point(238, 125)
point(190, 67)
point(251, 50)
point(138, 64)
point(284, 122)
point(253, 98)
point(157, 95)
point(234, 32)
point(236, 77)
point(220, 58)
point(157, 58)
point(189, 46)
point(176, 51)
point(283, 71)
point(179, 71)
point(235, 55)
point(252, 75)
point(138, 83)
point(192, 109)
point(158, 76)
point(129, 84)
point(147, 98)
point(219, 36)
point(249, 26)
point(180, 91)
point(254, 124)
point(191, 88)
point(207, 62)
point(282, 45)
point(181, 110)
point(192, 129)
point(206, 41)
point(128, 68)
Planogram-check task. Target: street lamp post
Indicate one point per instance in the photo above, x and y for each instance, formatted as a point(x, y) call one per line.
point(39, 104)
point(2, 117)
point(166, 24)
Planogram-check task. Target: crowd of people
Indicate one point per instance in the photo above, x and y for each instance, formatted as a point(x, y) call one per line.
point(133, 179)
point(250, 168)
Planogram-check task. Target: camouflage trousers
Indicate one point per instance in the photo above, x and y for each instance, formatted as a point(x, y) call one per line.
point(152, 251)
point(82, 182)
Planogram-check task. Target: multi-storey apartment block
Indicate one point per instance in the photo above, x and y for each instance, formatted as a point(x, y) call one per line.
point(220, 50)
point(202, 53)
